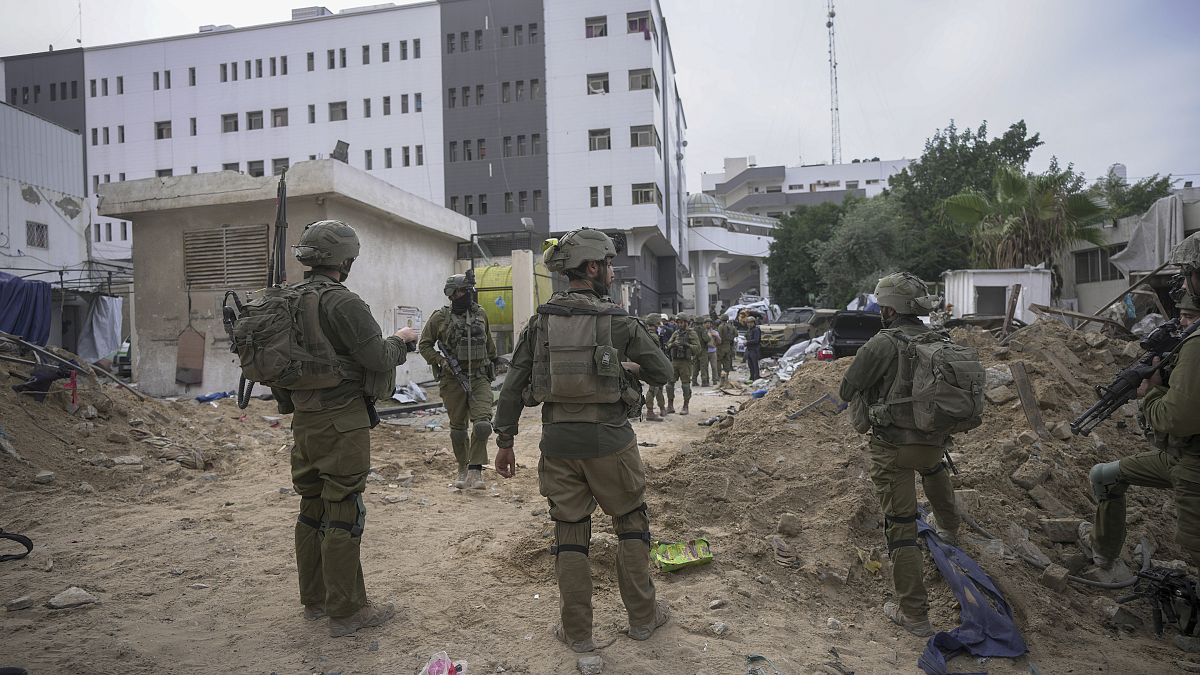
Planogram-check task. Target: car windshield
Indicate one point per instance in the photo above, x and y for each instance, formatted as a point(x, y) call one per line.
point(795, 316)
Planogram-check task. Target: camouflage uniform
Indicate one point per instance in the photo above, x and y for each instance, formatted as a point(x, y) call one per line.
point(728, 345)
point(700, 358)
point(682, 348)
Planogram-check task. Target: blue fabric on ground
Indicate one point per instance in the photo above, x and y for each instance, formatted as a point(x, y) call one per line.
point(986, 621)
point(25, 308)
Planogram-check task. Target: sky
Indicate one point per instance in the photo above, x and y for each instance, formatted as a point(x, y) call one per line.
point(1102, 81)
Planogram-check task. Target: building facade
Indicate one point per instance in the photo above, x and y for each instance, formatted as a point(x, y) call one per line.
point(563, 113)
point(775, 191)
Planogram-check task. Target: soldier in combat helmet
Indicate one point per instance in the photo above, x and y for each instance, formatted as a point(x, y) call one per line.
point(897, 453)
point(331, 427)
point(462, 329)
point(682, 348)
point(1169, 417)
point(578, 357)
point(655, 395)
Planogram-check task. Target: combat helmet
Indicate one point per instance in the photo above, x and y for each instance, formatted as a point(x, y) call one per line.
point(653, 319)
point(1187, 253)
point(326, 243)
point(905, 293)
point(455, 282)
point(576, 248)
point(683, 317)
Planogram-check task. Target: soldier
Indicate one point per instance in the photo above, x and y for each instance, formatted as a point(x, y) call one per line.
point(682, 348)
point(654, 394)
point(460, 330)
point(579, 356)
point(728, 333)
point(1168, 415)
point(897, 452)
point(331, 430)
point(753, 346)
point(700, 358)
point(1189, 311)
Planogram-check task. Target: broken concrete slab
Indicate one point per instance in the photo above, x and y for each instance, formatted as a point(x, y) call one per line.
point(1054, 577)
point(1062, 431)
point(789, 524)
point(23, 602)
point(590, 665)
point(966, 501)
point(1061, 530)
point(44, 477)
point(1031, 473)
point(1048, 502)
point(72, 597)
point(1000, 395)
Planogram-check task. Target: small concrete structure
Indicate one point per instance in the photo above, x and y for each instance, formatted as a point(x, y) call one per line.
point(986, 292)
point(729, 252)
point(211, 232)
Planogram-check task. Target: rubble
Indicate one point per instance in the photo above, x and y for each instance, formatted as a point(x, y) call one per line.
point(590, 665)
point(72, 597)
point(23, 602)
point(44, 477)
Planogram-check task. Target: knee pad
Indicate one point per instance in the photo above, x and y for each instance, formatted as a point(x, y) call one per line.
point(633, 525)
point(459, 435)
point(567, 536)
point(482, 428)
point(355, 528)
point(1106, 481)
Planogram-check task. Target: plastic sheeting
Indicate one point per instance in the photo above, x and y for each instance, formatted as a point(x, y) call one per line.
point(1158, 231)
point(25, 308)
point(101, 335)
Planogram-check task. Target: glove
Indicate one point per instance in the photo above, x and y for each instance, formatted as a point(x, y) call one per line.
point(504, 441)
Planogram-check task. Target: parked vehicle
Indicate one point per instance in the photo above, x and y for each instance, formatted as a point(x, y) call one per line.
point(796, 324)
point(850, 329)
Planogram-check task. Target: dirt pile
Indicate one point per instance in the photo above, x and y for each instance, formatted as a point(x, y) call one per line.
point(736, 485)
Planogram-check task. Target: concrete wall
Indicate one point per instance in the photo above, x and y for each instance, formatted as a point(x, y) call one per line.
point(962, 285)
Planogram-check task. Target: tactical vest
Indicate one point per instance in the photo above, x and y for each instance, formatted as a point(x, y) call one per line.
point(466, 334)
point(1176, 446)
point(576, 368)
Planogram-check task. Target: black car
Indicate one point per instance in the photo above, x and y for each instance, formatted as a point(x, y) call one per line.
point(850, 329)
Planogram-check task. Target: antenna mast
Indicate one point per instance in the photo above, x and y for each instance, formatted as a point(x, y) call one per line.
point(834, 112)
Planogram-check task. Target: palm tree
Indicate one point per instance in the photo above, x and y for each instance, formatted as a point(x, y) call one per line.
point(1025, 219)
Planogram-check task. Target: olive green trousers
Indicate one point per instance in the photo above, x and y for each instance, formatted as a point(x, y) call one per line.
point(893, 471)
point(470, 445)
point(331, 457)
point(681, 371)
point(1154, 469)
point(725, 360)
point(574, 488)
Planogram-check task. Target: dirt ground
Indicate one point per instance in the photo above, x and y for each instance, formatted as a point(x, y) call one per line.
point(190, 552)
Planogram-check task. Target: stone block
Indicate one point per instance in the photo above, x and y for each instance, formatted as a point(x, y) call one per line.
point(1054, 577)
point(1000, 395)
point(1030, 474)
point(44, 477)
point(789, 524)
point(966, 502)
point(1048, 502)
point(1061, 530)
point(72, 597)
point(1027, 437)
point(1062, 431)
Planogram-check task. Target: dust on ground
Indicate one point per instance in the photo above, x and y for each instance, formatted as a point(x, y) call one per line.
point(189, 550)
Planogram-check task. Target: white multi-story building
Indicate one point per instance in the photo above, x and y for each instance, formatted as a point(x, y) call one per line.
point(563, 112)
point(777, 190)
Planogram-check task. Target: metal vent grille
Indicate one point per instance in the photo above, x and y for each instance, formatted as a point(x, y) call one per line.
point(226, 257)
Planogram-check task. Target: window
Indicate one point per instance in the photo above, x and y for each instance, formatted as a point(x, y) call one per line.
point(536, 144)
point(647, 193)
point(873, 181)
point(465, 41)
point(166, 79)
point(508, 202)
point(504, 41)
point(385, 52)
point(366, 107)
point(795, 187)
point(108, 226)
point(122, 174)
point(279, 165)
point(608, 195)
point(37, 235)
point(367, 159)
point(387, 105)
point(522, 201)
point(106, 135)
point(469, 205)
point(124, 231)
point(95, 136)
point(93, 87)
point(312, 114)
point(74, 88)
point(404, 157)
point(255, 168)
point(638, 22)
point(452, 97)
point(53, 92)
point(520, 88)
point(312, 62)
point(231, 166)
point(283, 65)
point(595, 196)
point(403, 103)
point(597, 83)
point(506, 147)
point(533, 33)
point(37, 91)
point(483, 205)
point(274, 68)
point(258, 67)
point(454, 204)
point(481, 148)
point(161, 173)
point(226, 257)
point(192, 75)
point(851, 185)
point(254, 119)
point(537, 200)
point(521, 145)
point(95, 183)
point(387, 156)
point(156, 80)
point(467, 154)
point(479, 94)
point(453, 152)
point(330, 59)
point(596, 26)
point(535, 89)
point(120, 85)
point(229, 123)
point(366, 58)
point(337, 111)
point(518, 34)
point(417, 48)
point(420, 155)
point(191, 126)
point(103, 88)
point(233, 68)
point(162, 130)
point(774, 188)
point(121, 133)
point(643, 79)
point(404, 50)
point(466, 97)
point(97, 230)
point(107, 178)
point(279, 117)
point(1094, 265)
point(450, 40)
point(644, 136)
point(478, 40)
point(416, 103)
point(598, 139)
point(341, 57)
point(224, 72)
point(505, 92)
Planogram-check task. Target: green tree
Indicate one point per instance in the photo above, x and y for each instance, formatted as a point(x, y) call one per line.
point(951, 162)
point(1124, 199)
point(861, 250)
point(793, 280)
point(1025, 219)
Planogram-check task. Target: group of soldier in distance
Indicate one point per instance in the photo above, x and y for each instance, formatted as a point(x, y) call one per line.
point(584, 360)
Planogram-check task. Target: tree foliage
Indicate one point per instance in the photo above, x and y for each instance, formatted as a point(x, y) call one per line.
point(793, 279)
point(1123, 199)
point(861, 250)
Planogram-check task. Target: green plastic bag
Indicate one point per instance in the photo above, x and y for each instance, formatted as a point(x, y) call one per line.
point(672, 557)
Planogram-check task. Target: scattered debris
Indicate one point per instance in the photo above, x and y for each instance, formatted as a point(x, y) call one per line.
point(72, 597)
point(23, 602)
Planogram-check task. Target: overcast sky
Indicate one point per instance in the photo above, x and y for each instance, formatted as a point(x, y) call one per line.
point(1103, 81)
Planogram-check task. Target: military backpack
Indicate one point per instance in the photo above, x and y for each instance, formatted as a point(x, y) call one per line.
point(938, 386)
point(279, 341)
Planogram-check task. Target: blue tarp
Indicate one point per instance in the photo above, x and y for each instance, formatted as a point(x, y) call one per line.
point(25, 308)
point(987, 627)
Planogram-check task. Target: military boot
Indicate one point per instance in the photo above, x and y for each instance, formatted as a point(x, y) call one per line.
point(314, 612)
point(662, 614)
point(670, 407)
point(918, 627)
point(1187, 643)
point(474, 479)
point(369, 616)
point(461, 481)
point(651, 417)
point(684, 410)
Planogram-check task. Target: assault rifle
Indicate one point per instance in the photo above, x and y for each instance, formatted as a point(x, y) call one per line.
point(1161, 343)
point(1162, 587)
point(455, 367)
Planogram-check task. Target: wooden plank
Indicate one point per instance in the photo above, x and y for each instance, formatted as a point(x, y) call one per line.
point(1064, 372)
point(1012, 308)
point(1083, 318)
point(1029, 400)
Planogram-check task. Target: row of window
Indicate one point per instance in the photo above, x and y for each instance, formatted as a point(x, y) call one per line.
point(108, 231)
point(635, 22)
point(514, 202)
point(640, 193)
point(37, 235)
point(513, 36)
point(509, 92)
point(640, 136)
point(32, 95)
point(336, 58)
point(639, 79)
point(409, 156)
point(524, 145)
